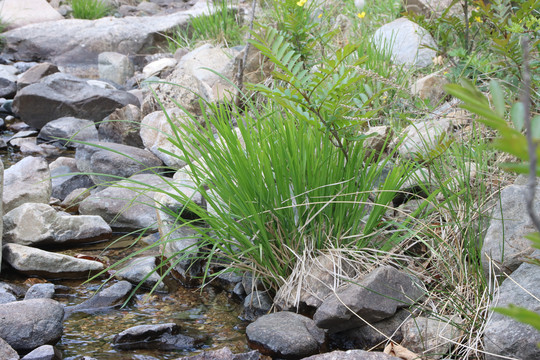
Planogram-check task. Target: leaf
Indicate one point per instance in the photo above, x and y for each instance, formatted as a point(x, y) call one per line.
point(517, 115)
point(498, 98)
point(521, 314)
point(535, 238)
point(535, 127)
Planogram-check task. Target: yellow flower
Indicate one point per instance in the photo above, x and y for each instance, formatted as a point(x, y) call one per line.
point(361, 15)
point(301, 2)
point(320, 16)
point(478, 19)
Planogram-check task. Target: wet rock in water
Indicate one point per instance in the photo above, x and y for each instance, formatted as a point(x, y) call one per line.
point(44, 352)
point(505, 336)
point(138, 269)
point(112, 296)
point(431, 338)
point(40, 291)
point(39, 224)
point(61, 95)
point(376, 297)
point(27, 324)
point(409, 43)
point(224, 354)
point(353, 355)
point(35, 74)
point(66, 178)
point(160, 337)
point(29, 180)
point(36, 262)
point(126, 205)
point(66, 129)
point(256, 304)
point(6, 351)
point(122, 127)
point(120, 161)
point(285, 335)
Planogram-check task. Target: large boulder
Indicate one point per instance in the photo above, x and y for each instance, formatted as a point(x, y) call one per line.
point(408, 43)
point(127, 204)
point(29, 180)
point(505, 336)
point(27, 324)
point(39, 224)
point(75, 44)
point(17, 13)
point(120, 161)
point(375, 297)
point(36, 262)
point(61, 95)
point(285, 335)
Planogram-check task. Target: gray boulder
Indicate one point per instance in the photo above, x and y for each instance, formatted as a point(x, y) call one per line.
point(429, 337)
point(180, 245)
point(115, 67)
point(114, 295)
point(409, 44)
point(61, 95)
point(35, 262)
point(127, 204)
point(285, 335)
point(419, 138)
point(44, 352)
point(6, 297)
point(505, 244)
point(69, 128)
point(40, 291)
point(29, 180)
point(504, 335)
point(142, 269)
point(352, 355)
point(48, 227)
point(19, 13)
point(120, 161)
point(256, 304)
point(375, 297)
point(27, 324)
point(122, 127)
point(162, 337)
point(35, 74)
point(8, 88)
point(66, 178)
point(6, 351)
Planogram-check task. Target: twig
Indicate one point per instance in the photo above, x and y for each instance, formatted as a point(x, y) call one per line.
point(526, 100)
point(242, 62)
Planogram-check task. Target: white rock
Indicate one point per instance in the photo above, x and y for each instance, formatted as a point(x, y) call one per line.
point(17, 13)
point(158, 66)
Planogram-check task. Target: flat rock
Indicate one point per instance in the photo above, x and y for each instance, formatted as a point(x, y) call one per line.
point(109, 297)
point(285, 335)
point(27, 324)
point(44, 352)
point(120, 161)
point(409, 44)
point(67, 131)
point(375, 297)
point(352, 355)
point(505, 336)
point(162, 337)
point(62, 95)
point(36, 262)
point(39, 224)
point(128, 204)
point(29, 180)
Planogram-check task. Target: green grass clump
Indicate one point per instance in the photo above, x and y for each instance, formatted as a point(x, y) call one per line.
point(89, 9)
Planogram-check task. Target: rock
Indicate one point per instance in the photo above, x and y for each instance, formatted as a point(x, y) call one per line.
point(142, 269)
point(373, 335)
point(375, 297)
point(35, 74)
point(149, 7)
point(115, 67)
point(66, 178)
point(122, 126)
point(378, 140)
point(256, 304)
point(1, 209)
point(27, 324)
point(40, 291)
point(408, 43)
point(120, 161)
point(505, 244)
point(181, 246)
point(285, 334)
point(75, 44)
point(430, 87)
point(62, 95)
point(127, 204)
point(223, 354)
point(6, 351)
point(18, 13)
point(352, 355)
point(8, 88)
point(432, 8)
point(65, 129)
point(505, 336)
point(39, 224)
point(6, 298)
point(72, 201)
point(44, 352)
point(36, 262)
point(422, 137)
point(114, 295)
point(428, 337)
point(162, 337)
point(155, 68)
point(29, 180)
